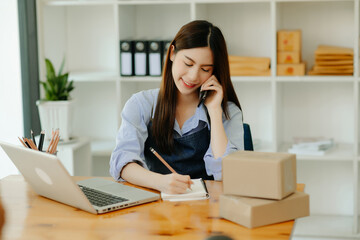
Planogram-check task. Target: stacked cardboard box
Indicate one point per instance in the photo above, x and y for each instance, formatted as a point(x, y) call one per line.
point(289, 53)
point(249, 66)
point(330, 60)
point(260, 189)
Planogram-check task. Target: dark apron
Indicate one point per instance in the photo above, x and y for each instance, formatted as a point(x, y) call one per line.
point(188, 158)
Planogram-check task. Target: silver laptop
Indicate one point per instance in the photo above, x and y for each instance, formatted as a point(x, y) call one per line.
point(48, 177)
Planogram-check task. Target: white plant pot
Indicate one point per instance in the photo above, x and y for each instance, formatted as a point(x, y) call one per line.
point(56, 114)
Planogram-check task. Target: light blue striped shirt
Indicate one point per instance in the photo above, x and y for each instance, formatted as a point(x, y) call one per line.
point(133, 132)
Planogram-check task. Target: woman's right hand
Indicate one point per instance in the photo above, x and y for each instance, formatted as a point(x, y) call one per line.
point(174, 183)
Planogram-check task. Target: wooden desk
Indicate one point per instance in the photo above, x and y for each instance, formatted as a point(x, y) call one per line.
point(30, 216)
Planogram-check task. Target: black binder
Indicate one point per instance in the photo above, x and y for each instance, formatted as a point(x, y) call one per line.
point(141, 58)
point(126, 58)
point(166, 45)
point(155, 58)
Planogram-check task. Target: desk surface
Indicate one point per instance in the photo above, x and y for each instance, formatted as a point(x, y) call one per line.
point(30, 216)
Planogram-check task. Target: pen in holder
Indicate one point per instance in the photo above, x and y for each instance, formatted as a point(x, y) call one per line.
point(51, 149)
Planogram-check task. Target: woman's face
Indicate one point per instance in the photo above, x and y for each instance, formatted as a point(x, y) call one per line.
point(191, 68)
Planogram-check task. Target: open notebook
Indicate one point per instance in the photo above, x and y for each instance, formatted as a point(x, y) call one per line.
point(198, 192)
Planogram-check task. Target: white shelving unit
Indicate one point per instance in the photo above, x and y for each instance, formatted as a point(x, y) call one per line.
point(87, 33)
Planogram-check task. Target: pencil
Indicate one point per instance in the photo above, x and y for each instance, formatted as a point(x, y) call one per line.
point(32, 144)
point(29, 142)
point(56, 141)
point(162, 160)
point(51, 141)
point(166, 164)
point(22, 142)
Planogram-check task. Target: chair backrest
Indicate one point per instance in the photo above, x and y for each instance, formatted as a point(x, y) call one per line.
point(248, 144)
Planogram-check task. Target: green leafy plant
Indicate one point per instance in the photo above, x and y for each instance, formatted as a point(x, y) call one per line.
point(57, 87)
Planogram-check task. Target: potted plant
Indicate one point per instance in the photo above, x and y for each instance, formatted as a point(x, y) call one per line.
point(55, 109)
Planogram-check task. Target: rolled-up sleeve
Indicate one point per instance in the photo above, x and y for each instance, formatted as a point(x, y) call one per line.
point(235, 133)
point(131, 137)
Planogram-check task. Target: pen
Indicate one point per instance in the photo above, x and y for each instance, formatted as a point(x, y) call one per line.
point(165, 163)
point(41, 141)
point(33, 137)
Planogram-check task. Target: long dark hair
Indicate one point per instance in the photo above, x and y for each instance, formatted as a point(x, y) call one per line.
point(195, 34)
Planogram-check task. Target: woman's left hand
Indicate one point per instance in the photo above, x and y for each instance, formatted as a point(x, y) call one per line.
point(215, 93)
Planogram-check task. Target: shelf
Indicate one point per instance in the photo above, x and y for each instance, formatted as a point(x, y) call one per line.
point(324, 226)
point(78, 2)
point(140, 79)
point(250, 78)
point(315, 79)
point(229, 1)
point(102, 148)
point(340, 152)
point(94, 76)
point(148, 2)
point(142, 2)
point(101, 76)
point(108, 76)
point(297, 1)
point(158, 79)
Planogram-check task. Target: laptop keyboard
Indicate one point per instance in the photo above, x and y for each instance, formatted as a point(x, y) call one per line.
point(100, 199)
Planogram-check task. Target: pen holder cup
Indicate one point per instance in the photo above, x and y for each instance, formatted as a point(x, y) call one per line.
point(55, 153)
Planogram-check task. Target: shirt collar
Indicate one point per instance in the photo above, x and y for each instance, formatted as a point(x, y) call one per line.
point(193, 122)
point(203, 114)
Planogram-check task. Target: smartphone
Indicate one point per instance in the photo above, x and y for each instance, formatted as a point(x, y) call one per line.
point(202, 97)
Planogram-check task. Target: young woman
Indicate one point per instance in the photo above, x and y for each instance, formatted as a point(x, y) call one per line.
point(193, 138)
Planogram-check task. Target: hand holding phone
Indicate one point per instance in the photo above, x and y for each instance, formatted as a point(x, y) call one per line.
point(202, 97)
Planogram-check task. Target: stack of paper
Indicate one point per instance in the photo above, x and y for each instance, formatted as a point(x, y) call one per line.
point(311, 146)
point(249, 66)
point(331, 60)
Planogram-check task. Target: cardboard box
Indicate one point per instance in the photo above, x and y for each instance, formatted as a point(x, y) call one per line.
point(249, 66)
point(256, 212)
point(258, 174)
point(289, 40)
point(288, 57)
point(296, 69)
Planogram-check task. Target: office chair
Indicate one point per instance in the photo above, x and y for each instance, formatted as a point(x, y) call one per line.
point(248, 144)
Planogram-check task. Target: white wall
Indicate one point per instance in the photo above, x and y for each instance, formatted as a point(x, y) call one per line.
point(11, 114)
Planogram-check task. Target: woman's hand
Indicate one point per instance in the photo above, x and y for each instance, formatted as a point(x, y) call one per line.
point(215, 94)
point(174, 183)
point(218, 138)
